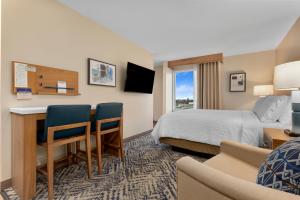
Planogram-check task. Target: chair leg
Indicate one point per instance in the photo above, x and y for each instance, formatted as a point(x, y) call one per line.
point(88, 154)
point(102, 145)
point(121, 151)
point(77, 151)
point(50, 166)
point(69, 152)
point(99, 153)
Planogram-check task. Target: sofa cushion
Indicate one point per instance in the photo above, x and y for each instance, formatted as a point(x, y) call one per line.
point(281, 169)
point(233, 166)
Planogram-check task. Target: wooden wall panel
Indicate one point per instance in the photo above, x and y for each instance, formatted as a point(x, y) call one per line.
point(44, 80)
point(196, 60)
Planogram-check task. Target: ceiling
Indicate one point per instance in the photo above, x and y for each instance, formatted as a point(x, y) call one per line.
point(173, 29)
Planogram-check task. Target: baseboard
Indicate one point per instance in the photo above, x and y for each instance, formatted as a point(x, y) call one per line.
point(128, 139)
point(6, 184)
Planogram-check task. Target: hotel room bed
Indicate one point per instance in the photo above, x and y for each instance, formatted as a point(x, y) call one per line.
point(203, 130)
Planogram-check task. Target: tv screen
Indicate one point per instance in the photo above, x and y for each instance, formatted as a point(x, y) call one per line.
point(139, 79)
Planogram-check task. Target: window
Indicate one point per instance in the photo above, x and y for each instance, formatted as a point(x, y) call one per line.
point(184, 90)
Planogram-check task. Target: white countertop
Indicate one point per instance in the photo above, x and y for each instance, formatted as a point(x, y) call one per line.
point(32, 110)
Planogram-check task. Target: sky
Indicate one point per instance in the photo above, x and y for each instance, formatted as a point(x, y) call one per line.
point(184, 85)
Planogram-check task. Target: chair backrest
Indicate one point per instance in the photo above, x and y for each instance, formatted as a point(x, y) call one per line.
point(58, 115)
point(108, 110)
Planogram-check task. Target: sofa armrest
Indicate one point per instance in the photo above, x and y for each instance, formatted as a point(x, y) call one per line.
point(247, 153)
point(223, 185)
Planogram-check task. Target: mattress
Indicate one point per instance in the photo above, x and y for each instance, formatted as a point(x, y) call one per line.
point(212, 126)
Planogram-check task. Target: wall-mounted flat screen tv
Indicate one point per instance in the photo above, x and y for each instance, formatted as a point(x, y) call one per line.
point(139, 79)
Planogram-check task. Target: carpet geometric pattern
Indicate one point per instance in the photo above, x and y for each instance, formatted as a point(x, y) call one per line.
point(147, 172)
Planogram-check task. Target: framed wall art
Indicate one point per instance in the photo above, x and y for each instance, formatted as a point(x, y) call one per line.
point(237, 82)
point(101, 73)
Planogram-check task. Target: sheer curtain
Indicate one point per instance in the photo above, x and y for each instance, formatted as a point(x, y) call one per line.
point(209, 85)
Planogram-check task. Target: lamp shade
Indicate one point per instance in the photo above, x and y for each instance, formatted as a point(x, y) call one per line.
point(286, 76)
point(263, 90)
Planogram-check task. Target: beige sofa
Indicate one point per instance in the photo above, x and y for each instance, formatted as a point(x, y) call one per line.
point(229, 175)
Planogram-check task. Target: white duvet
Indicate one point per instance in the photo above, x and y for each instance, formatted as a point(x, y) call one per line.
point(210, 126)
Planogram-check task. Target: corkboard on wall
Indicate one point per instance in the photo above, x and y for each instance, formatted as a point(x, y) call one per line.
point(43, 80)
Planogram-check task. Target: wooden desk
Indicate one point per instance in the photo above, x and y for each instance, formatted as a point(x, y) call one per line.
point(25, 123)
point(275, 137)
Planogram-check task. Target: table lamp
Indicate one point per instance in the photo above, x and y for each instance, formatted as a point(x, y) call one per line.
point(287, 77)
point(263, 90)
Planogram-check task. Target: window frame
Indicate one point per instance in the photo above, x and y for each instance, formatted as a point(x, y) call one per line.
point(193, 69)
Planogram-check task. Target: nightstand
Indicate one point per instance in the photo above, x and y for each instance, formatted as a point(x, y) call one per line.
point(275, 137)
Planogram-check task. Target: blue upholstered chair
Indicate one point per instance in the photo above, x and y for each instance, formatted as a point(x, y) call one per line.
point(108, 120)
point(65, 124)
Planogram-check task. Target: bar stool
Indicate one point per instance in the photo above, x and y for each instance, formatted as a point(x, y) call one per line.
point(64, 124)
point(108, 120)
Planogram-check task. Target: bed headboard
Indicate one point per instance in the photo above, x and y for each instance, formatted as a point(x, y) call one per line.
point(282, 92)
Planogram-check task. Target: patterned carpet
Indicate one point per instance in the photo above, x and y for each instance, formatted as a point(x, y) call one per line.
point(147, 172)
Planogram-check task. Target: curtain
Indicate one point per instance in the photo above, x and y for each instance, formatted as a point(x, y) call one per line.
point(209, 85)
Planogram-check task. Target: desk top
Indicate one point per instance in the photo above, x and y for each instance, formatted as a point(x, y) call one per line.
point(32, 110)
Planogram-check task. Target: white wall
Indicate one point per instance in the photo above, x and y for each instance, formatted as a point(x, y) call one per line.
point(167, 88)
point(48, 33)
point(289, 48)
point(258, 66)
point(0, 93)
point(158, 93)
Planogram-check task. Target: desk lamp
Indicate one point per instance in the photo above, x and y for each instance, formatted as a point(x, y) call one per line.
point(287, 77)
point(263, 90)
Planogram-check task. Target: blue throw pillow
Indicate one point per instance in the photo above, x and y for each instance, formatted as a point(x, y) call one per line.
point(281, 169)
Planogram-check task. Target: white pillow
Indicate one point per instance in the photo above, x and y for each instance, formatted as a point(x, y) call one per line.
point(286, 114)
point(262, 107)
point(269, 109)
